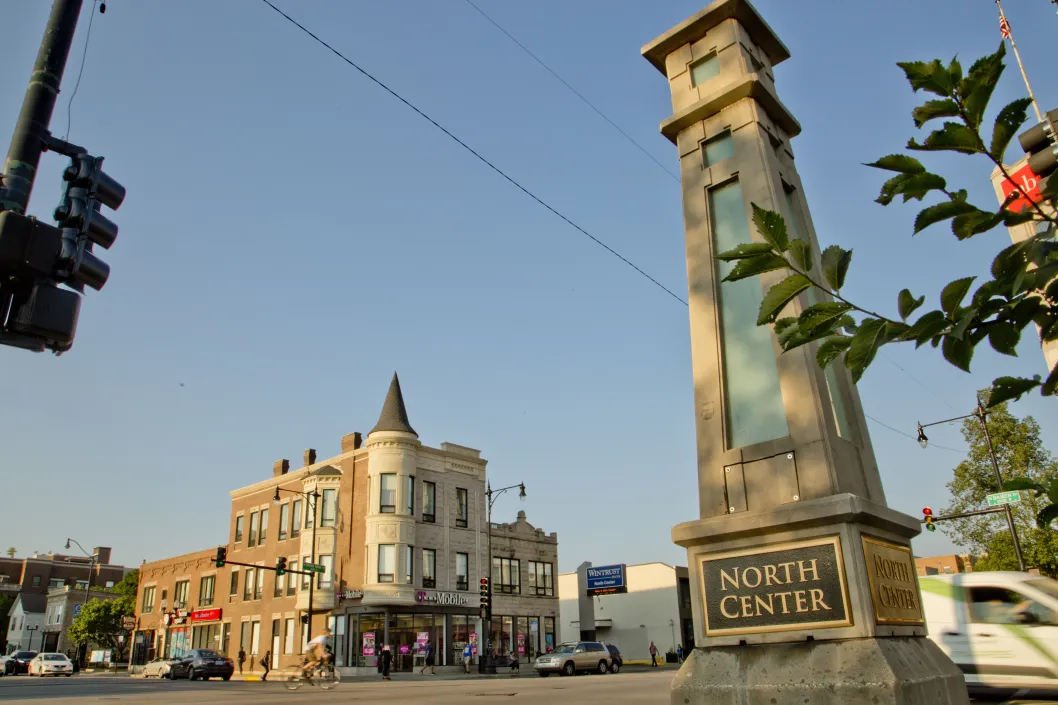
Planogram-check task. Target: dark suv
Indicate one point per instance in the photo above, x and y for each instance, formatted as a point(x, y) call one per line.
point(204, 664)
point(615, 658)
point(18, 662)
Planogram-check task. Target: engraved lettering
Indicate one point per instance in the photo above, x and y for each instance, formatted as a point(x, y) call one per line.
point(817, 600)
point(786, 567)
point(769, 576)
point(802, 601)
point(723, 609)
point(815, 573)
point(725, 578)
point(747, 605)
point(769, 605)
point(746, 572)
point(782, 596)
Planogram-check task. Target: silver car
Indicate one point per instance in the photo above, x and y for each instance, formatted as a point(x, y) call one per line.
point(159, 668)
point(574, 657)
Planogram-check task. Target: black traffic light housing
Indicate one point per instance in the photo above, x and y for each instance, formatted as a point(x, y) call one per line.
point(281, 565)
point(88, 188)
point(484, 597)
point(1039, 143)
point(222, 556)
point(927, 517)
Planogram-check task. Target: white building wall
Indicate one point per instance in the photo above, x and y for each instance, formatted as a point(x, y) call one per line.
point(18, 638)
point(649, 611)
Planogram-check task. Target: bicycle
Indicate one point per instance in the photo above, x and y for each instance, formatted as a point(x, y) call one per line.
point(324, 675)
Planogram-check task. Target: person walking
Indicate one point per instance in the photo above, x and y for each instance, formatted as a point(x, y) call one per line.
point(679, 653)
point(387, 660)
point(428, 651)
point(267, 663)
point(242, 659)
point(468, 654)
point(653, 655)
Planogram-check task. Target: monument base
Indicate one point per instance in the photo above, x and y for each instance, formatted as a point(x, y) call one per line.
point(876, 671)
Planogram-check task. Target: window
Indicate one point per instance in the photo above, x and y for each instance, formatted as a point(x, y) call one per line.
point(292, 582)
point(264, 528)
point(541, 579)
point(295, 519)
point(462, 571)
point(305, 578)
point(234, 583)
point(247, 584)
point(751, 375)
point(238, 528)
point(36, 581)
point(387, 499)
point(310, 512)
point(409, 564)
point(225, 637)
point(56, 582)
point(461, 508)
point(258, 590)
point(284, 520)
point(288, 636)
point(148, 599)
point(717, 149)
point(506, 575)
point(409, 495)
point(181, 592)
point(326, 578)
point(429, 502)
point(429, 568)
point(330, 508)
point(109, 584)
point(705, 68)
point(82, 585)
point(254, 525)
point(996, 605)
point(205, 590)
point(280, 582)
point(387, 558)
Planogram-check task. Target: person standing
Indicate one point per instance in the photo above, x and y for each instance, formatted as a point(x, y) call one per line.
point(428, 651)
point(387, 660)
point(267, 663)
point(241, 658)
point(653, 655)
point(468, 654)
point(679, 653)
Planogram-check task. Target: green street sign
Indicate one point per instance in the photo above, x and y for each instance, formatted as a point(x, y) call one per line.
point(312, 567)
point(999, 498)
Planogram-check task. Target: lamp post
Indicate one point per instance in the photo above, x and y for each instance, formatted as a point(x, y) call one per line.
point(487, 664)
point(31, 630)
point(88, 585)
point(981, 415)
point(314, 495)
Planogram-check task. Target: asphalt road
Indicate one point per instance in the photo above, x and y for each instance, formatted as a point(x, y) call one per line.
point(634, 688)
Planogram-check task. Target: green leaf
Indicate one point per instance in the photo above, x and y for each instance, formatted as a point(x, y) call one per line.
point(939, 212)
point(953, 293)
point(1050, 187)
point(934, 109)
point(976, 89)
point(755, 265)
point(869, 338)
point(906, 303)
point(899, 162)
point(830, 349)
point(963, 318)
point(958, 352)
point(744, 251)
point(953, 137)
point(780, 295)
point(955, 71)
point(910, 186)
point(932, 76)
point(975, 222)
point(1047, 515)
point(836, 263)
point(1004, 337)
point(1016, 483)
point(772, 227)
point(802, 254)
point(1008, 388)
point(1009, 119)
point(826, 314)
point(926, 327)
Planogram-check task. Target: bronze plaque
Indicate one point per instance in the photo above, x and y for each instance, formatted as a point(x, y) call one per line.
point(894, 584)
point(783, 587)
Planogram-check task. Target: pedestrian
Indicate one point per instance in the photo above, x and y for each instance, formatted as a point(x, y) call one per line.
point(387, 659)
point(428, 650)
point(679, 653)
point(267, 663)
point(653, 655)
point(468, 654)
point(515, 665)
point(242, 659)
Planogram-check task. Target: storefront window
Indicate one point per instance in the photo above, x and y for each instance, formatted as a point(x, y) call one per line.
point(178, 642)
point(532, 641)
point(549, 634)
point(206, 636)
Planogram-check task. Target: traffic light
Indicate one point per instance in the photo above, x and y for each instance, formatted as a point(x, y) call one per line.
point(88, 188)
point(927, 515)
point(281, 565)
point(484, 597)
point(221, 557)
point(1039, 143)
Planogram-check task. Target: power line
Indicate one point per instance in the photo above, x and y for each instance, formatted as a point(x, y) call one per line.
point(485, 161)
point(80, 72)
point(921, 383)
point(908, 435)
point(575, 92)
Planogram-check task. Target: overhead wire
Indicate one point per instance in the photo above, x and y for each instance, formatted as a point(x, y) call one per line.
point(908, 435)
point(80, 72)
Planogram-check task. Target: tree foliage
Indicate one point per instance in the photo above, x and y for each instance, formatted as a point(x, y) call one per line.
point(129, 584)
point(1021, 456)
point(1023, 288)
point(100, 623)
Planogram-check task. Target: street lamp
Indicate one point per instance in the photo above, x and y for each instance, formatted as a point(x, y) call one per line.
point(314, 495)
point(91, 569)
point(981, 415)
point(487, 664)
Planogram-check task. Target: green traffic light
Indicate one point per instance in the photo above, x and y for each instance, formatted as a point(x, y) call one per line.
point(930, 527)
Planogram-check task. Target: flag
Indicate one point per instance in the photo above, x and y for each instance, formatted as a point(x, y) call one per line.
point(1004, 27)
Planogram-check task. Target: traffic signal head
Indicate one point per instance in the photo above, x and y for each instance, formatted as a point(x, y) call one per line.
point(281, 565)
point(1039, 144)
point(927, 514)
point(87, 189)
point(221, 557)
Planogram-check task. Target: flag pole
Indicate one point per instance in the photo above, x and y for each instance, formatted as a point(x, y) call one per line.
point(1004, 27)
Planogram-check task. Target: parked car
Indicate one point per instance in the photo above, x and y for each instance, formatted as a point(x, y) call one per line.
point(574, 657)
point(160, 668)
point(18, 662)
point(204, 664)
point(50, 664)
point(615, 657)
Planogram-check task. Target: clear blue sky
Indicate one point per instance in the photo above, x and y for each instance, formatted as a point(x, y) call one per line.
point(292, 235)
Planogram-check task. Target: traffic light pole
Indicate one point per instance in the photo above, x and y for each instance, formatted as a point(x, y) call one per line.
point(999, 482)
point(31, 131)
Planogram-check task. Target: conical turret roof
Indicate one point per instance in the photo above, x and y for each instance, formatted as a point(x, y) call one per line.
point(394, 416)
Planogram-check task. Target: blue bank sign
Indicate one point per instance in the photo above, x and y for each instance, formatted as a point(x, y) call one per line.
point(607, 579)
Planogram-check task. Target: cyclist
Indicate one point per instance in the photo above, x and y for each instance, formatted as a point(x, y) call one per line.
point(319, 653)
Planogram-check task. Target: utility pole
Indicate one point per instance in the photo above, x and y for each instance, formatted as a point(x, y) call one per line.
point(31, 131)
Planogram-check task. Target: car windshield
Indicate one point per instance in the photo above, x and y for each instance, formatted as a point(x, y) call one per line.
point(564, 649)
point(54, 657)
point(1045, 585)
point(206, 653)
point(25, 654)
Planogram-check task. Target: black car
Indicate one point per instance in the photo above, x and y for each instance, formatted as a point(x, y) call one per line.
point(204, 664)
point(615, 658)
point(18, 662)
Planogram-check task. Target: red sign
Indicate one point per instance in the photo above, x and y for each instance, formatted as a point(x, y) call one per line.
point(206, 615)
point(1029, 184)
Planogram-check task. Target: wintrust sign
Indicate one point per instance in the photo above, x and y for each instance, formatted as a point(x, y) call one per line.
point(442, 598)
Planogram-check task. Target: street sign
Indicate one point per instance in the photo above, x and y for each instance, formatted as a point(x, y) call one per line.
point(1012, 497)
point(77, 610)
point(312, 567)
point(128, 623)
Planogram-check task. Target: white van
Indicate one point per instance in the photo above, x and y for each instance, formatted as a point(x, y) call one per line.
point(1000, 628)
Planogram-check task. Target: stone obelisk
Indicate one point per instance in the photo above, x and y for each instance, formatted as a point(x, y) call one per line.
point(803, 580)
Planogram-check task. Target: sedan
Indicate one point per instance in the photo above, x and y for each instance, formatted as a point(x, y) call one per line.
point(18, 662)
point(51, 664)
point(160, 668)
point(204, 664)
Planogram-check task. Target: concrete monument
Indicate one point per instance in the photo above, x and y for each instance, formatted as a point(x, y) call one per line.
point(803, 580)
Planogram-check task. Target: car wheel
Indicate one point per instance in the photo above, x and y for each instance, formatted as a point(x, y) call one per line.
point(67, 674)
point(227, 678)
point(603, 668)
point(205, 678)
point(191, 674)
point(615, 668)
point(569, 669)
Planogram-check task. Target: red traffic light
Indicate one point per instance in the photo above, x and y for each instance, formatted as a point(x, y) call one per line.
point(927, 512)
point(484, 581)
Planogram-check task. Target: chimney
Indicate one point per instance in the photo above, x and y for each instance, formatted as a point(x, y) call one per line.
point(280, 467)
point(352, 441)
point(310, 457)
point(102, 554)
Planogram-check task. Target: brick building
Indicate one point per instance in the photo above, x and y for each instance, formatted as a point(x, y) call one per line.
point(41, 572)
point(944, 565)
point(400, 530)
